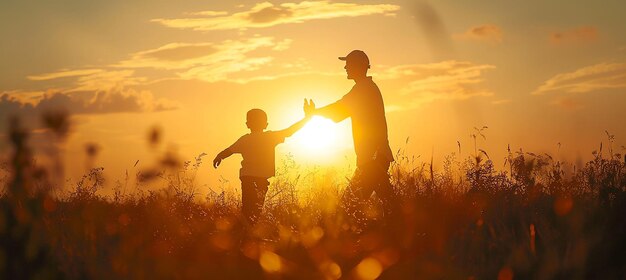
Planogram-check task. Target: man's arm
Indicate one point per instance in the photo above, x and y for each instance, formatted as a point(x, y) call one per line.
point(336, 111)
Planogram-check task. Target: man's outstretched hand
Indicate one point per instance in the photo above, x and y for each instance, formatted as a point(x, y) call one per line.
point(308, 107)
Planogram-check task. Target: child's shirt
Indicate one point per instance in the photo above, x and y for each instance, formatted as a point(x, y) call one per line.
point(257, 150)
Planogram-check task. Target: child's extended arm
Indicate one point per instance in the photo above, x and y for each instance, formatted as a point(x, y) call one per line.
point(222, 155)
point(294, 127)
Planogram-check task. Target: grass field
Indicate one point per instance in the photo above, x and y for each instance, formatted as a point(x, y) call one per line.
point(535, 218)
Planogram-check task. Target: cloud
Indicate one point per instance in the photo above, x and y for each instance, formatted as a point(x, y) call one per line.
point(501, 101)
point(87, 102)
point(92, 79)
point(186, 55)
point(110, 88)
point(210, 62)
point(209, 13)
point(177, 52)
point(81, 103)
point(219, 72)
point(267, 14)
point(93, 91)
point(205, 61)
point(172, 56)
point(567, 103)
point(107, 80)
point(486, 33)
point(447, 80)
point(587, 79)
point(583, 34)
point(227, 60)
point(64, 73)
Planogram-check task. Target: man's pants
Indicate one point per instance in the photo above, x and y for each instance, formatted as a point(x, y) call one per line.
point(374, 177)
point(253, 191)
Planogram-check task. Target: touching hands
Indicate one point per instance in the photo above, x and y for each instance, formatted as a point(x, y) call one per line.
point(308, 107)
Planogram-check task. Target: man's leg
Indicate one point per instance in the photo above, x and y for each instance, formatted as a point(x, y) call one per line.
point(374, 177)
point(361, 183)
point(371, 177)
point(384, 189)
point(352, 200)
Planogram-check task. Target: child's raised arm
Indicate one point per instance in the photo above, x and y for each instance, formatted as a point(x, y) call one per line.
point(294, 127)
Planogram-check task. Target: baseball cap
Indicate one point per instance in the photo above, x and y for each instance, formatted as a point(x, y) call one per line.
point(357, 56)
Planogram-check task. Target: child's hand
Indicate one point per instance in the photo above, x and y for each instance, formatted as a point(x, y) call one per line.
point(217, 161)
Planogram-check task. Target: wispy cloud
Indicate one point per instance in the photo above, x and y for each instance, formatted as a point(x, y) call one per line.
point(186, 55)
point(212, 62)
point(108, 80)
point(447, 80)
point(567, 103)
point(64, 73)
point(267, 14)
point(109, 89)
point(219, 72)
point(92, 79)
point(501, 101)
point(490, 33)
point(581, 34)
point(586, 79)
point(208, 61)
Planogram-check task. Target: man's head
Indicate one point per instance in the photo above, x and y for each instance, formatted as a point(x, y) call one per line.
point(357, 64)
point(256, 119)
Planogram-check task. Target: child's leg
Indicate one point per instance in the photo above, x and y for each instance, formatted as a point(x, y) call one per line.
point(253, 191)
point(261, 189)
point(248, 198)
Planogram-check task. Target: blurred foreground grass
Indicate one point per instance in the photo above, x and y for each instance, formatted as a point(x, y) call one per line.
point(533, 220)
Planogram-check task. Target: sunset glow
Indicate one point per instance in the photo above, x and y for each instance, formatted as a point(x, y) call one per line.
point(195, 68)
point(318, 137)
point(312, 139)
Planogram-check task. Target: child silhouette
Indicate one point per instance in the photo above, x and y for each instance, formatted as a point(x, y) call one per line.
point(257, 166)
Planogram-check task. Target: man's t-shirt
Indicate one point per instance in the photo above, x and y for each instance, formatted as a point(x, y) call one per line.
point(364, 104)
point(257, 150)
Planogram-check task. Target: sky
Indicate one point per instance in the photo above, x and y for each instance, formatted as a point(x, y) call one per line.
point(542, 76)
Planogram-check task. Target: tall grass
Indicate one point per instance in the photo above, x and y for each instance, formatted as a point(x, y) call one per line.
point(534, 219)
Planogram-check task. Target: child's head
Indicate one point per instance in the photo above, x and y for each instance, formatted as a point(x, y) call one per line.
point(256, 119)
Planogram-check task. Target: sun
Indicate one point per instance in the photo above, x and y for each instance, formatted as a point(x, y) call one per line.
point(317, 136)
point(320, 142)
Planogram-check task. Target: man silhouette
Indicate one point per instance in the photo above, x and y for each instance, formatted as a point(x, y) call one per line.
point(364, 104)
